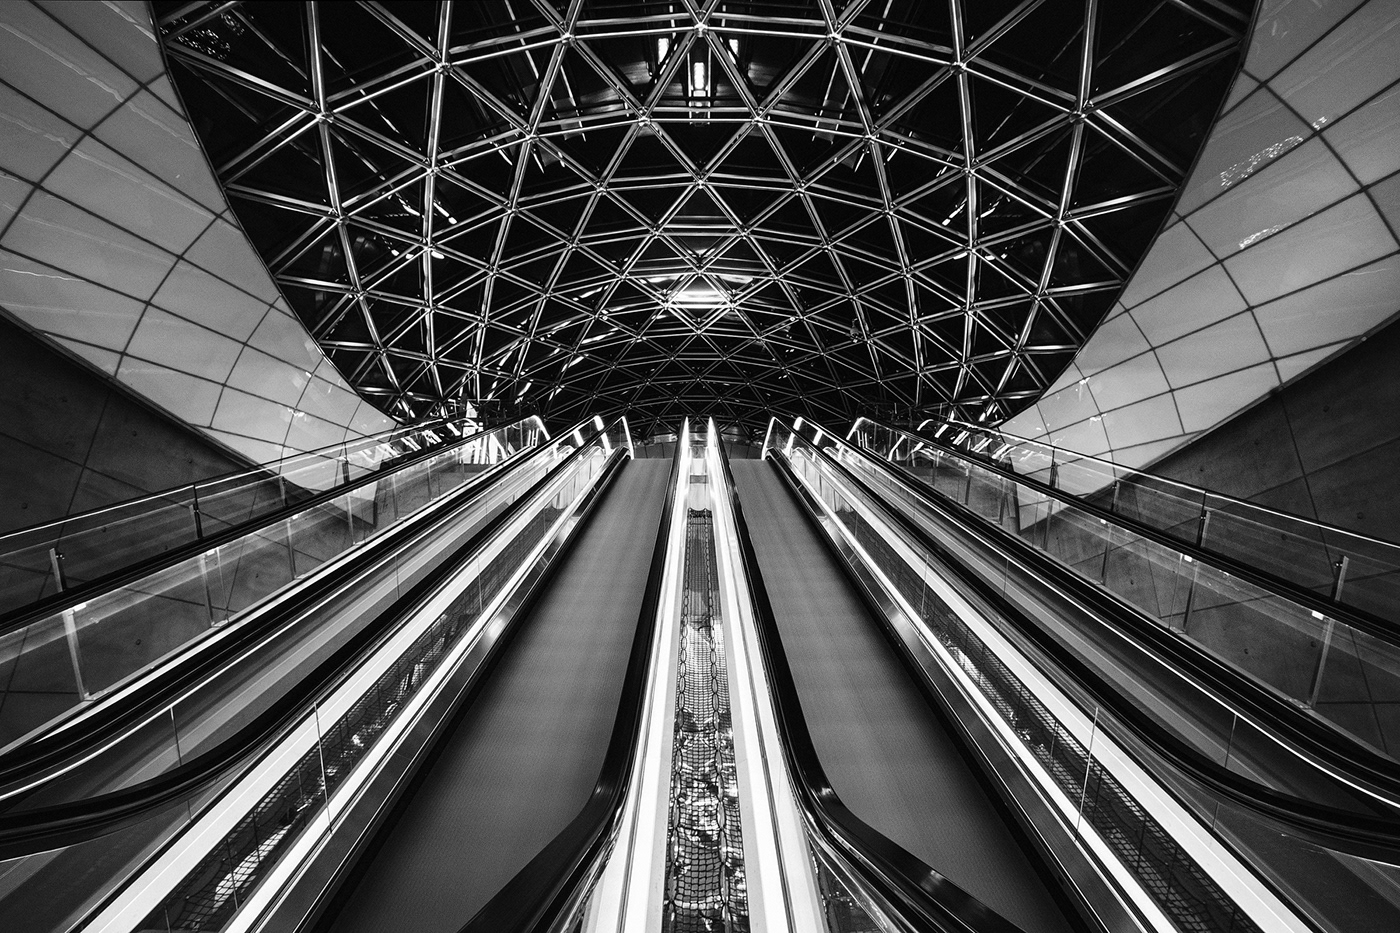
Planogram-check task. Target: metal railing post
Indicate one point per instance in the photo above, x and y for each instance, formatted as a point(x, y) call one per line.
point(1195, 568)
point(208, 595)
point(70, 627)
point(1328, 628)
point(1339, 577)
point(57, 568)
point(291, 549)
point(194, 512)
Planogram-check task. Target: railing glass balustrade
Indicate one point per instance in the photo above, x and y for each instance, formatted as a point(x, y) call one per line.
point(1101, 800)
point(38, 562)
point(80, 652)
point(1349, 676)
point(1353, 569)
point(208, 712)
point(1338, 891)
point(196, 864)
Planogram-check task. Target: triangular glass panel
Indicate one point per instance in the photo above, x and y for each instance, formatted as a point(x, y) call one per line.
point(1108, 173)
point(1043, 46)
point(464, 118)
point(1038, 168)
point(258, 41)
point(934, 120)
point(1004, 115)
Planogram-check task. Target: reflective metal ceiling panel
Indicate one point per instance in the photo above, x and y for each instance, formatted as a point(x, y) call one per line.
point(728, 209)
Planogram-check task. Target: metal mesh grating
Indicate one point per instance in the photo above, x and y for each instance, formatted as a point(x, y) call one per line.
point(706, 888)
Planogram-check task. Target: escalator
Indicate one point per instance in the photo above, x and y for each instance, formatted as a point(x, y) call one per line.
point(87, 664)
point(230, 676)
point(888, 753)
point(509, 806)
point(94, 829)
point(1232, 594)
point(524, 757)
point(1319, 827)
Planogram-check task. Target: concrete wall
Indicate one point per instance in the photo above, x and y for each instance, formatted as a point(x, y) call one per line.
point(1327, 447)
point(71, 441)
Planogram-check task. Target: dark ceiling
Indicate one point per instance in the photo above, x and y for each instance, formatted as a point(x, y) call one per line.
point(727, 209)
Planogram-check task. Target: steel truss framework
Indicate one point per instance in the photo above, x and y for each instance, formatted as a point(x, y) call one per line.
point(728, 209)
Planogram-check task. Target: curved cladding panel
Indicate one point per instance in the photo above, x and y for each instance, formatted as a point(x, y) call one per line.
point(1281, 251)
point(116, 242)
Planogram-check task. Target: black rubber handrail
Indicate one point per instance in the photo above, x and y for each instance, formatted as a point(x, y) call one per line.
point(44, 608)
point(921, 897)
point(533, 900)
point(1368, 835)
point(1379, 627)
point(26, 832)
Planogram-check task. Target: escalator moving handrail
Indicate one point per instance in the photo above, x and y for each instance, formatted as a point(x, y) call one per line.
point(1376, 626)
point(533, 900)
point(132, 573)
point(923, 897)
point(1371, 836)
point(42, 829)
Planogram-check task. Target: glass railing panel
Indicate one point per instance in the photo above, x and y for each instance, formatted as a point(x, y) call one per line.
point(1368, 579)
point(1153, 578)
point(1270, 637)
point(319, 534)
point(1348, 671)
point(225, 505)
point(1082, 476)
point(28, 885)
point(1356, 684)
point(1293, 551)
point(1077, 540)
point(26, 572)
point(116, 635)
point(317, 473)
point(231, 697)
point(1303, 654)
point(1142, 499)
point(845, 906)
point(211, 892)
point(82, 548)
point(38, 671)
point(143, 533)
point(246, 570)
point(1301, 551)
point(125, 631)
